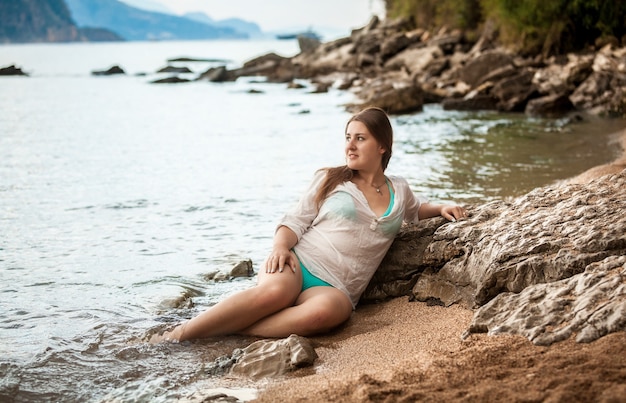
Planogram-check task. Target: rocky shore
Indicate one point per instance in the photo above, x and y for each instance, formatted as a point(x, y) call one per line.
point(523, 301)
point(394, 65)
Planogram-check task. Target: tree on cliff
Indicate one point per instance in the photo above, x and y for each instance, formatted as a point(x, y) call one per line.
point(530, 26)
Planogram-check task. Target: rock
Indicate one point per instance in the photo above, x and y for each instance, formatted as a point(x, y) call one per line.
point(473, 72)
point(395, 95)
point(173, 69)
point(591, 304)
point(549, 235)
point(447, 42)
point(445, 67)
point(403, 263)
point(270, 358)
point(12, 71)
point(471, 103)
point(243, 269)
point(327, 58)
point(170, 80)
point(514, 92)
point(308, 44)
point(295, 86)
point(194, 59)
point(276, 68)
point(217, 75)
point(595, 91)
point(551, 105)
point(109, 72)
point(560, 78)
point(395, 44)
point(497, 75)
point(414, 60)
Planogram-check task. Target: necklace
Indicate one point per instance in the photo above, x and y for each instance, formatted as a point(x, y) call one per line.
point(378, 187)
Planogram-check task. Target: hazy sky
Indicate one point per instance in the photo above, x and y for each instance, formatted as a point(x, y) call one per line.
point(276, 15)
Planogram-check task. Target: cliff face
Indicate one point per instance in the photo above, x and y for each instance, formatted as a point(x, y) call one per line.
point(36, 21)
point(135, 24)
point(44, 21)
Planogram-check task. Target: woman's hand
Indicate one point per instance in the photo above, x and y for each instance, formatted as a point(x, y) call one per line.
point(281, 255)
point(278, 259)
point(450, 213)
point(453, 213)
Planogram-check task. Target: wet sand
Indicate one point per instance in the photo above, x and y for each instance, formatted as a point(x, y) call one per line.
point(409, 351)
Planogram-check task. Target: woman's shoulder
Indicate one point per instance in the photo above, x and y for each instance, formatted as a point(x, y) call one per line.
point(398, 180)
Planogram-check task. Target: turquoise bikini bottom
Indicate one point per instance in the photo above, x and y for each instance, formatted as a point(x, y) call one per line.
point(309, 280)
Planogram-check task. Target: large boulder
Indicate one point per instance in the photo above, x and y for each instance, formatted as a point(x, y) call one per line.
point(563, 77)
point(604, 90)
point(474, 71)
point(551, 234)
point(414, 60)
point(395, 93)
point(590, 305)
point(513, 93)
point(327, 58)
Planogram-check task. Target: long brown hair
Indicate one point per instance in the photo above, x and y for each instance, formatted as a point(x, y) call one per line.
point(378, 124)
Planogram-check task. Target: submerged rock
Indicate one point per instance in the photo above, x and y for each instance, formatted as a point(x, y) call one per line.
point(109, 72)
point(174, 69)
point(170, 80)
point(12, 71)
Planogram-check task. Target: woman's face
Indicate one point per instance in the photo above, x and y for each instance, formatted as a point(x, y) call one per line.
point(363, 152)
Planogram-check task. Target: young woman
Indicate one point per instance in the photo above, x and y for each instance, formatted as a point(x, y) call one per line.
point(327, 248)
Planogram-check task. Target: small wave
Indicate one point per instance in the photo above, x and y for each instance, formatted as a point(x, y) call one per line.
point(192, 209)
point(80, 208)
point(141, 203)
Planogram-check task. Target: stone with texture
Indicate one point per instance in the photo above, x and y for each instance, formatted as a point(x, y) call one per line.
point(569, 233)
point(590, 304)
point(269, 358)
point(549, 234)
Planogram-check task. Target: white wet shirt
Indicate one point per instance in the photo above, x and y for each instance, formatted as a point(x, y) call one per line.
point(344, 242)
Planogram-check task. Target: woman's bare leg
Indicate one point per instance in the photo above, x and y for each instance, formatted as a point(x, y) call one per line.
point(273, 292)
point(317, 310)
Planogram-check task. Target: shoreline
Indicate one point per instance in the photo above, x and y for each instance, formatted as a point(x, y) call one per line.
point(401, 350)
point(613, 167)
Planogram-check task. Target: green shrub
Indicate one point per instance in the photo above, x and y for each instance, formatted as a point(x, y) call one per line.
point(530, 26)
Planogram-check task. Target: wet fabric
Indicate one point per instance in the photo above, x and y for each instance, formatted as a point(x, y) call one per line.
point(344, 241)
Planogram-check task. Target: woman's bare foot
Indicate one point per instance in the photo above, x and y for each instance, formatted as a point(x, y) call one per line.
point(172, 336)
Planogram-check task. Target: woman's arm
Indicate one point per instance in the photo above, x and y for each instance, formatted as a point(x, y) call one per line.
point(450, 213)
point(281, 255)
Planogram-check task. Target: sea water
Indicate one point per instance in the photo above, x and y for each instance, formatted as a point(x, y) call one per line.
point(119, 198)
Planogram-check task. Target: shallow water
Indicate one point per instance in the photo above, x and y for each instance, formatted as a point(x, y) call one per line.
point(118, 198)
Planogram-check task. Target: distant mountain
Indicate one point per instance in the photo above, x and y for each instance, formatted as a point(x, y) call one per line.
point(150, 5)
point(43, 21)
point(249, 28)
point(134, 24)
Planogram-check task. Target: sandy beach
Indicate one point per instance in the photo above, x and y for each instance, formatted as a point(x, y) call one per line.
point(408, 351)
